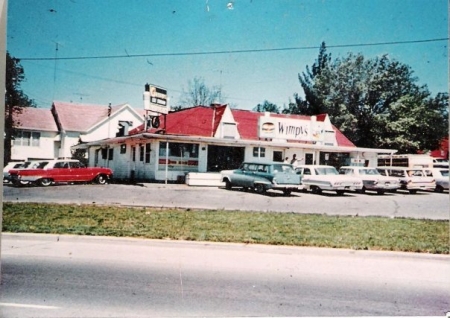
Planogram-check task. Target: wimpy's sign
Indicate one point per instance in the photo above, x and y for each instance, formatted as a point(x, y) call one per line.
point(292, 129)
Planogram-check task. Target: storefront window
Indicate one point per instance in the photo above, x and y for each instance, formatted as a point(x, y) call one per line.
point(259, 152)
point(181, 156)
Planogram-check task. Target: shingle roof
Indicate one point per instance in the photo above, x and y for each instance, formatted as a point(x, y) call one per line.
point(202, 121)
point(81, 117)
point(35, 119)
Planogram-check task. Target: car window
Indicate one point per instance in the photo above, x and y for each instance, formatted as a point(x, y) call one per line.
point(76, 165)
point(444, 173)
point(369, 171)
point(326, 171)
point(59, 165)
point(345, 171)
point(252, 167)
point(382, 172)
point(397, 173)
point(415, 173)
point(42, 164)
point(307, 171)
point(262, 168)
point(428, 173)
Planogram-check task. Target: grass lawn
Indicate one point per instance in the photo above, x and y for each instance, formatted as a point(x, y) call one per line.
point(368, 233)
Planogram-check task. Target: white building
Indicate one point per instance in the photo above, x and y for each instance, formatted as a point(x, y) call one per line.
point(50, 133)
point(201, 141)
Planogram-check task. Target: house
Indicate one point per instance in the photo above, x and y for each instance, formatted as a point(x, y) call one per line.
point(50, 133)
point(208, 139)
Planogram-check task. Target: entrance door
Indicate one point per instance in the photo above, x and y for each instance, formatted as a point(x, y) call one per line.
point(224, 158)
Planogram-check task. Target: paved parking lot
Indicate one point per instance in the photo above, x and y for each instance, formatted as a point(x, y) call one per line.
point(428, 205)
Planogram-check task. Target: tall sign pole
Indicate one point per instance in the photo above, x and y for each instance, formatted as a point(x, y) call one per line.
point(155, 104)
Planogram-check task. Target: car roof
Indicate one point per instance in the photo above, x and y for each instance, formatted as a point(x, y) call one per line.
point(314, 166)
point(357, 167)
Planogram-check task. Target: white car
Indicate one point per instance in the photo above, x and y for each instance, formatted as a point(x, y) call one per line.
point(371, 178)
point(411, 179)
point(321, 177)
point(10, 166)
point(441, 177)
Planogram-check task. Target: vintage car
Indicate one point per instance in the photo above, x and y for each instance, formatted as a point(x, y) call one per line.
point(262, 177)
point(10, 166)
point(322, 177)
point(411, 179)
point(60, 170)
point(371, 178)
point(440, 175)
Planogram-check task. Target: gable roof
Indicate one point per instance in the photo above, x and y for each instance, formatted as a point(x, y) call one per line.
point(199, 121)
point(203, 121)
point(82, 117)
point(30, 118)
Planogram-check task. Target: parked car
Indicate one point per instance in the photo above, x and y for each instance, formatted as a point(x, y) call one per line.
point(262, 177)
point(10, 166)
point(440, 163)
point(321, 177)
point(440, 175)
point(54, 171)
point(371, 178)
point(411, 179)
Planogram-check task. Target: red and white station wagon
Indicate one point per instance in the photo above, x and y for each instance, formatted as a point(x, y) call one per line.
point(60, 170)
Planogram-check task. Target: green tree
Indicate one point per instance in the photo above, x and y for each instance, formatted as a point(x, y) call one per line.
point(373, 102)
point(15, 100)
point(267, 107)
point(198, 94)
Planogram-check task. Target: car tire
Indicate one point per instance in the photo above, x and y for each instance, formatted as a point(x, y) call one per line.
point(340, 192)
point(45, 182)
point(316, 190)
point(101, 179)
point(380, 192)
point(363, 190)
point(412, 191)
point(259, 188)
point(227, 184)
point(439, 189)
point(287, 192)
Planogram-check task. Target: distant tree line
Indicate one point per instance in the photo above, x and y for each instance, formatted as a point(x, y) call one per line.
point(375, 102)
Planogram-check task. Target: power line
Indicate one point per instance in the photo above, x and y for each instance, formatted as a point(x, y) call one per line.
point(226, 52)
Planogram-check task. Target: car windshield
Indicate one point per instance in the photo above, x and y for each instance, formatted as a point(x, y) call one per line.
point(369, 172)
point(415, 173)
point(326, 171)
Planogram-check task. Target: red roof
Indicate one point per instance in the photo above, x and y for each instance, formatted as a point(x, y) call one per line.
point(81, 117)
point(202, 121)
point(32, 118)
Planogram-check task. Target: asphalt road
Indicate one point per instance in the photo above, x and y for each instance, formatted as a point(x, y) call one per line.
point(428, 205)
point(72, 276)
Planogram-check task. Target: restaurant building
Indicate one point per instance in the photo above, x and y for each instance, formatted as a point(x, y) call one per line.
point(195, 144)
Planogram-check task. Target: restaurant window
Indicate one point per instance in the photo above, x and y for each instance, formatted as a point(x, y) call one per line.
point(259, 152)
point(123, 148)
point(178, 156)
point(141, 153)
point(147, 153)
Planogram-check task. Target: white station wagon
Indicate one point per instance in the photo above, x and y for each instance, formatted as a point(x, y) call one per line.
point(371, 178)
point(321, 177)
point(411, 179)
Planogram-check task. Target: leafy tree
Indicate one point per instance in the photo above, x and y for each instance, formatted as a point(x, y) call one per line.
point(198, 94)
point(374, 102)
point(267, 107)
point(15, 100)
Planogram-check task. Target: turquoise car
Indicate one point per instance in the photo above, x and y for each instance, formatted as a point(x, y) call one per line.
point(262, 177)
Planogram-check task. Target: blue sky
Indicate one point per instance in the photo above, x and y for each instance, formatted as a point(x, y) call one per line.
point(91, 29)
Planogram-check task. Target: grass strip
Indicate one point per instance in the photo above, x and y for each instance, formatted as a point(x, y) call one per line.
point(360, 233)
